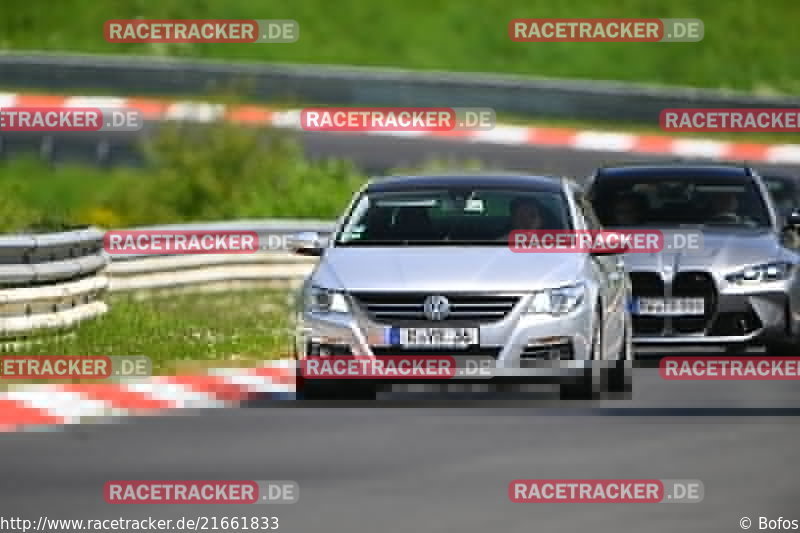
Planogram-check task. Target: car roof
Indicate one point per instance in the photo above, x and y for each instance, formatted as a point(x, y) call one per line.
point(477, 181)
point(675, 170)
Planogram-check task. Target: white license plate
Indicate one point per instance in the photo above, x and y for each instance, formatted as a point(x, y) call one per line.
point(670, 306)
point(438, 337)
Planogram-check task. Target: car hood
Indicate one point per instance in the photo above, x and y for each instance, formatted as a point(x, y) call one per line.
point(443, 269)
point(720, 251)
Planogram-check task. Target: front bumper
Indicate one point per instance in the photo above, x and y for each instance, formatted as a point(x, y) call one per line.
point(740, 316)
point(520, 346)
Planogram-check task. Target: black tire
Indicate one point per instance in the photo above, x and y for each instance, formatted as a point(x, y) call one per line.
point(617, 377)
point(580, 387)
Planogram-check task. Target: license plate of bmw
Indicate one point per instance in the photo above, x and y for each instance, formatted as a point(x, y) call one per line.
point(669, 306)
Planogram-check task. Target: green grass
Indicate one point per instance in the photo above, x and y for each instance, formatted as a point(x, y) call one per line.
point(749, 44)
point(220, 329)
point(192, 174)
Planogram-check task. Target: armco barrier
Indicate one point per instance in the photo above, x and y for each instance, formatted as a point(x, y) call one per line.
point(149, 274)
point(570, 99)
point(50, 282)
point(209, 272)
point(53, 281)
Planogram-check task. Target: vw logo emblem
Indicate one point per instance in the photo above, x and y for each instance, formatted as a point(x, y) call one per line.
point(436, 307)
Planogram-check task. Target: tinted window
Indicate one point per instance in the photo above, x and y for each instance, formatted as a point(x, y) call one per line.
point(451, 216)
point(631, 202)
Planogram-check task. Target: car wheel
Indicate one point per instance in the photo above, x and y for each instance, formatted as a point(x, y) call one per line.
point(627, 348)
point(617, 377)
point(581, 387)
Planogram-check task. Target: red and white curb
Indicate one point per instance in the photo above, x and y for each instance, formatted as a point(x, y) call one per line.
point(37, 407)
point(583, 140)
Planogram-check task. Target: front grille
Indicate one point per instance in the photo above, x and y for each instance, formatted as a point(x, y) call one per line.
point(486, 351)
point(694, 285)
point(685, 285)
point(397, 308)
point(647, 285)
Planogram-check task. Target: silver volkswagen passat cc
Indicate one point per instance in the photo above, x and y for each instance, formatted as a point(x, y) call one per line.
point(422, 265)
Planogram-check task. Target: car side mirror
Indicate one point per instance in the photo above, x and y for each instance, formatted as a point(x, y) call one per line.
point(306, 243)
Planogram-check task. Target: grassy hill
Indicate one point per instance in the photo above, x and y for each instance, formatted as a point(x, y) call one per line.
point(749, 44)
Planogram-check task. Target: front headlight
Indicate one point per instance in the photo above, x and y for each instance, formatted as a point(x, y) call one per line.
point(777, 271)
point(557, 301)
point(320, 300)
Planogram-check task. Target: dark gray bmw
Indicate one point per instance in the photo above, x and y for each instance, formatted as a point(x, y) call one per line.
point(738, 288)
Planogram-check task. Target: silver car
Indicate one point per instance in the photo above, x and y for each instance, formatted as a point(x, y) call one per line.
point(422, 266)
point(740, 287)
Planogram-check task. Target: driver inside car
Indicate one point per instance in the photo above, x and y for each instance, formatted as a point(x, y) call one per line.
point(525, 214)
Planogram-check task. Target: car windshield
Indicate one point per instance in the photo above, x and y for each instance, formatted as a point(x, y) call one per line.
point(665, 202)
point(450, 217)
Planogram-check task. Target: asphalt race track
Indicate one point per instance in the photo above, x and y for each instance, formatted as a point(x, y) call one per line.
point(436, 462)
point(432, 468)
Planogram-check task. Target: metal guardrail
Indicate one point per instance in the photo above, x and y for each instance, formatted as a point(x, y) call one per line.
point(264, 229)
point(149, 274)
point(50, 282)
point(209, 272)
point(277, 268)
point(592, 100)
